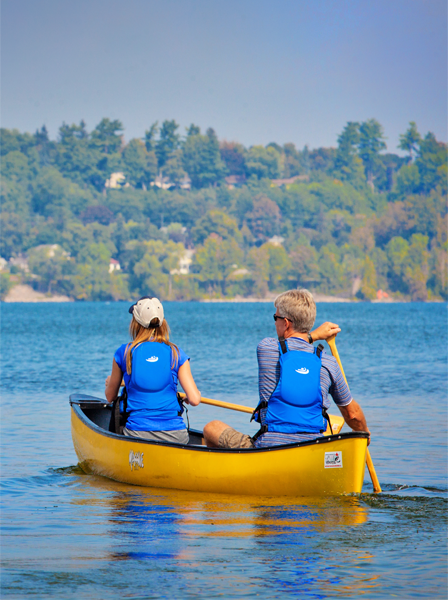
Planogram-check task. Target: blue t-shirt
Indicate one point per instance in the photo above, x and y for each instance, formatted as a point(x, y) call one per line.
point(154, 410)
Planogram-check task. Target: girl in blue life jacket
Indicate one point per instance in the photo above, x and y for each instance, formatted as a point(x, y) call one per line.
point(151, 366)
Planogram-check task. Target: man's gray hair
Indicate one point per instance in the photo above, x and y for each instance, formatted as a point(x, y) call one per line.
point(299, 307)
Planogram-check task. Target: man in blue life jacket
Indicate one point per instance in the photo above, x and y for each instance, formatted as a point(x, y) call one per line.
point(294, 381)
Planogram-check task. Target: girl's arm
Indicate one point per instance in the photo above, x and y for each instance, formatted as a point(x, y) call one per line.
point(113, 382)
point(187, 382)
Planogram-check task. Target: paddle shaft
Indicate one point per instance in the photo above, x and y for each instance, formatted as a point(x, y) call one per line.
point(334, 351)
point(222, 404)
point(336, 422)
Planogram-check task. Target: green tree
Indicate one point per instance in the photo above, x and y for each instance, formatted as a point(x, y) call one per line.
point(5, 285)
point(258, 262)
point(347, 163)
point(173, 168)
point(52, 265)
point(150, 135)
point(417, 267)
point(408, 180)
point(292, 163)
point(397, 251)
point(264, 219)
point(139, 165)
point(438, 281)
point(193, 130)
point(167, 143)
point(44, 146)
point(12, 140)
point(304, 268)
point(279, 265)
point(202, 159)
point(263, 162)
point(76, 158)
point(369, 283)
point(432, 164)
point(233, 156)
point(371, 143)
point(218, 222)
point(305, 160)
point(15, 166)
point(107, 136)
point(214, 261)
point(331, 269)
point(92, 279)
point(57, 197)
point(152, 272)
point(410, 140)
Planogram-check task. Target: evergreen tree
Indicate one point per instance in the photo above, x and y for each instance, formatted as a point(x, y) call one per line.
point(371, 142)
point(410, 140)
point(167, 143)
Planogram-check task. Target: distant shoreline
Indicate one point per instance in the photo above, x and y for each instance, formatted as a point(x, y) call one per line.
point(25, 294)
point(317, 298)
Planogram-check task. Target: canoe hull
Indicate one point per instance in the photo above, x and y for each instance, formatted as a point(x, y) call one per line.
point(295, 470)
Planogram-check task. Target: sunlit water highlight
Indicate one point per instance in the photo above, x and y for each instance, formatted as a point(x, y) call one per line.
point(70, 535)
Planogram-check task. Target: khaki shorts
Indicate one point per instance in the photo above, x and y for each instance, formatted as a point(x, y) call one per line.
point(230, 438)
point(178, 436)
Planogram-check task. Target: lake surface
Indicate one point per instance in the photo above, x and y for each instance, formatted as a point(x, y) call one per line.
point(70, 535)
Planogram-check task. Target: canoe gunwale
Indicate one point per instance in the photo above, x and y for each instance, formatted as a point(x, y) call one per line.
point(79, 402)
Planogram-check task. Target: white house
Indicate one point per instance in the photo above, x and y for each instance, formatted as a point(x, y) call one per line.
point(116, 180)
point(184, 263)
point(114, 265)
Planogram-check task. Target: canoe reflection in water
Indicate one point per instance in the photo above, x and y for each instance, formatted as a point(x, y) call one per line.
point(262, 543)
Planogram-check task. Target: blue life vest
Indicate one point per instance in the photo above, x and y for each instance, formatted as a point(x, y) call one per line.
point(296, 404)
point(152, 403)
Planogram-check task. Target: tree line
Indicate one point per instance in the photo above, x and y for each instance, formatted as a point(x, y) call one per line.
point(191, 216)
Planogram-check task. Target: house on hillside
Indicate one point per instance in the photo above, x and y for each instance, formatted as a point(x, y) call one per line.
point(114, 265)
point(19, 261)
point(184, 263)
point(165, 184)
point(276, 240)
point(116, 180)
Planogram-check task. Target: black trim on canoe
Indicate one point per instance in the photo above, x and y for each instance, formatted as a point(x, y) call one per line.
point(80, 402)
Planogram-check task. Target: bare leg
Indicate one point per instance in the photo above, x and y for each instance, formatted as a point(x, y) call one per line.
point(212, 433)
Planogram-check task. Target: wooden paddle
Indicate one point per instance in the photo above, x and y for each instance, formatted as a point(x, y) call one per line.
point(334, 351)
point(337, 421)
point(240, 407)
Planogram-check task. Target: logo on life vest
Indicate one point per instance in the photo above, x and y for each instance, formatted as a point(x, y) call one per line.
point(333, 460)
point(152, 359)
point(136, 460)
point(303, 371)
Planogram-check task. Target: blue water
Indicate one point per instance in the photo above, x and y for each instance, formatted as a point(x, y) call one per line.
point(70, 535)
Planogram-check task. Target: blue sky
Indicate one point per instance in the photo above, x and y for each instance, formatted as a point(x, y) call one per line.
point(255, 70)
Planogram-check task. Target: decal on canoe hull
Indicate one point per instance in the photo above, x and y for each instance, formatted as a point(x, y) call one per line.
point(333, 460)
point(136, 460)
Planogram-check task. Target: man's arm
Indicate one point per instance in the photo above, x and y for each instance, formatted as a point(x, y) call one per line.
point(354, 417)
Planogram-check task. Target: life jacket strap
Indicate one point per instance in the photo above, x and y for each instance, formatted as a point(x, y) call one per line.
point(283, 345)
point(262, 430)
point(118, 419)
point(261, 405)
point(183, 407)
point(327, 417)
point(319, 350)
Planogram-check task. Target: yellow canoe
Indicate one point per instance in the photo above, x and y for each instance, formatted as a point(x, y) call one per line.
point(329, 465)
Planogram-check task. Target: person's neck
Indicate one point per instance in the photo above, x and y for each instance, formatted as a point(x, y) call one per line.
point(296, 334)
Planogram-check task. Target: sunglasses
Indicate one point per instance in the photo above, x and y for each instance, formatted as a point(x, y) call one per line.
point(279, 317)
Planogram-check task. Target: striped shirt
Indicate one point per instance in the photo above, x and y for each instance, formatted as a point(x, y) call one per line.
point(331, 381)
